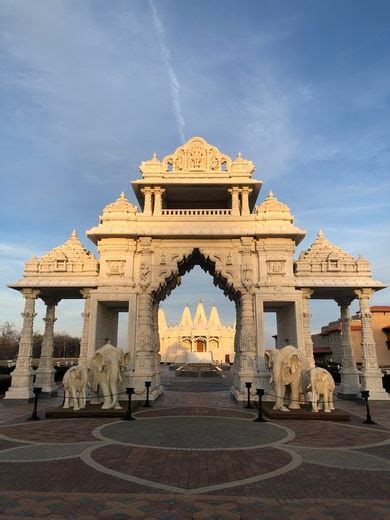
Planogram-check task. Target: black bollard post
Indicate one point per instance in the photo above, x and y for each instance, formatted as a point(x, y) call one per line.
point(128, 416)
point(260, 418)
point(365, 395)
point(248, 387)
point(34, 416)
point(148, 384)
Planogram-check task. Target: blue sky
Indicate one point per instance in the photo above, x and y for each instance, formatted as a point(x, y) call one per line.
point(89, 89)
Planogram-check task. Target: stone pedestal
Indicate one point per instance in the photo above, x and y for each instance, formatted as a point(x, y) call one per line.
point(371, 376)
point(22, 376)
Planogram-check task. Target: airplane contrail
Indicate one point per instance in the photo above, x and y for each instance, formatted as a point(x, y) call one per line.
point(173, 81)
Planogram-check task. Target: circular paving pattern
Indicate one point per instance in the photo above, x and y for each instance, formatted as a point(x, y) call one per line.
point(195, 433)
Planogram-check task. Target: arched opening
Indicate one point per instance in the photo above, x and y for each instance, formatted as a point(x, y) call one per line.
point(188, 333)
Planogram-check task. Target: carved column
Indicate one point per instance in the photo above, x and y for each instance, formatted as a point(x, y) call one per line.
point(306, 295)
point(83, 356)
point(129, 269)
point(147, 192)
point(235, 191)
point(350, 384)
point(158, 194)
point(245, 365)
point(22, 376)
point(371, 375)
point(245, 192)
point(145, 343)
point(45, 371)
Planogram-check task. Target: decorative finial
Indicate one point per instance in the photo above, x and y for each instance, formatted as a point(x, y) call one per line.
point(320, 234)
point(270, 194)
point(154, 155)
point(73, 234)
point(239, 155)
point(122, 195)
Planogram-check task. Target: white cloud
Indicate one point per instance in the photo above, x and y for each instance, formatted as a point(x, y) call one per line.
point(173, 80)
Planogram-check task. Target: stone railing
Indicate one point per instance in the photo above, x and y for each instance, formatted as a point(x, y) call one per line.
point(196, 212)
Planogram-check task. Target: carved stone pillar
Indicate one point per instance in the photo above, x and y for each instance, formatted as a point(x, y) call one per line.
point(158, 194)
point(129, 269)
point(235, 201)
point(371, 375)
point(245, 192)
point(306, 294)
point(350, 384)
point(45, 371)
point(83, 356)
point(245, 367)
point(147, 192)
point(22, 376)
point(145, 345)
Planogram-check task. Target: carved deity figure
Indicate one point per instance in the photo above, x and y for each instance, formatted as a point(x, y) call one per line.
point(246, 275)
point(145, 273)
point(197, 156)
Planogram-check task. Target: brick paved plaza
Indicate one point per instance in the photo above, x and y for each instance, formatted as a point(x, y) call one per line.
point(195, 454)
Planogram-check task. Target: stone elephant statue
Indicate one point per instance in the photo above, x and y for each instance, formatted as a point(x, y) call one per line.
point(75, 387)
point(322, 386)
point(286, 366)
point(106, 368)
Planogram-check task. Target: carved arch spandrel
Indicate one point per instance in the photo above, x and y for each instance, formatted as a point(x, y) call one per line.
point(177, 264)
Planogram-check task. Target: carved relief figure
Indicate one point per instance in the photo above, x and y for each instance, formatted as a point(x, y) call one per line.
point(286, 370)
point(197, 156)
point(75, 387)
point(145, 273)
point(246, 275)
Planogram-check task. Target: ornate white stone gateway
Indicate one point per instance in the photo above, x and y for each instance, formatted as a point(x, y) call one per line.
point(197, 208)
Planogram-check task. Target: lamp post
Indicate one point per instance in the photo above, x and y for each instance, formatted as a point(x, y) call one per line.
point(128, 416)
point(248, 387)
point(148, 384)
point(260, 418)
point(365, 395)
point(34, 416)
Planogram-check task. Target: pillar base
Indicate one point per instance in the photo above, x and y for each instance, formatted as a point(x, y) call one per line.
point(45, 379)
point(21, 386)
point(373, 383)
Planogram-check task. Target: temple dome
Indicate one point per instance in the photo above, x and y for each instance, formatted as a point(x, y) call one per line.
point(121, 209)
point(271, 209)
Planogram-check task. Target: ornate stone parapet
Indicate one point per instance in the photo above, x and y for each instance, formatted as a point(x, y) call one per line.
point(306, 315)
point(22, 376)
point(45, 371)
point(350, 384)
point(371, 378)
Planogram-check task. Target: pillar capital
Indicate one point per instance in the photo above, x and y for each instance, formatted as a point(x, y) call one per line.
point(85, 293)
point(364, 293)
point(30, 293)
point(344, 301)
point(307, 293)
point(51, 301)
